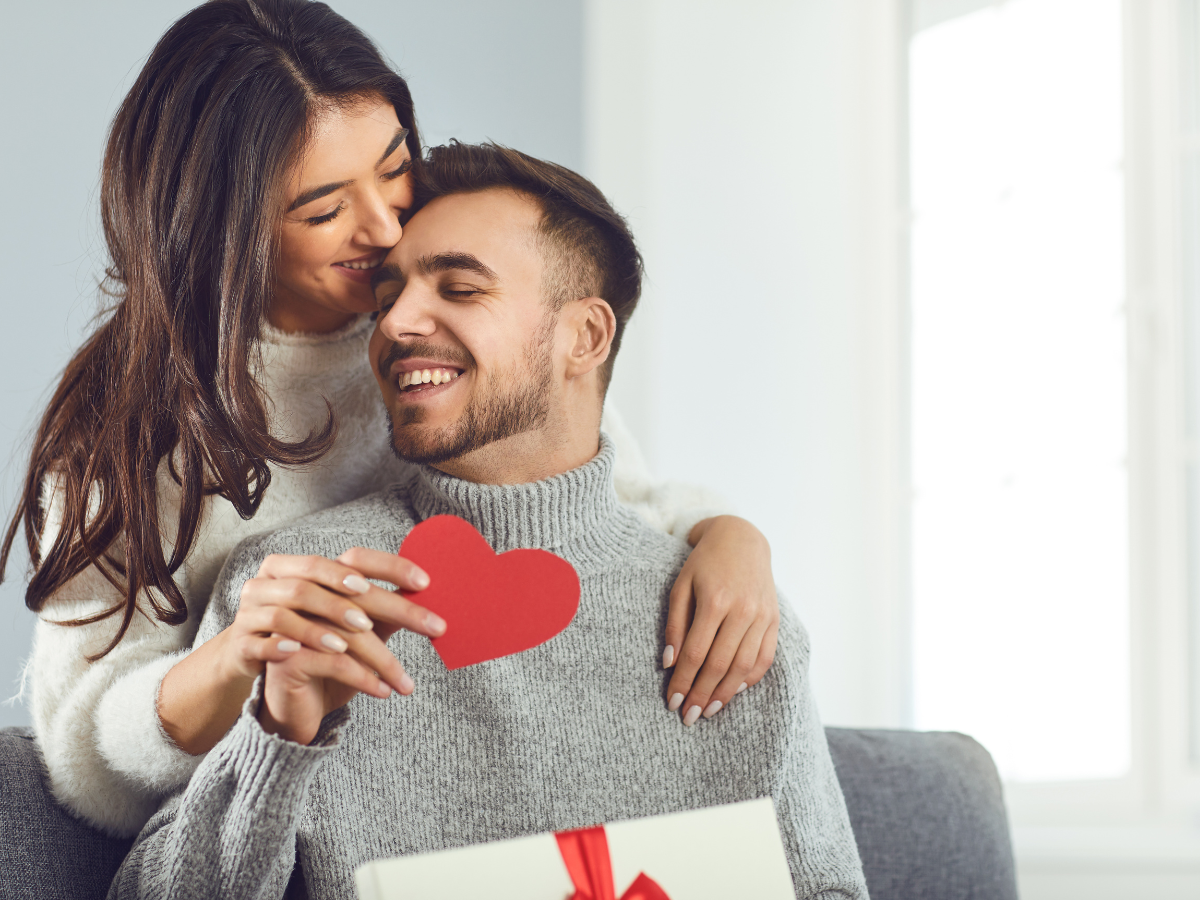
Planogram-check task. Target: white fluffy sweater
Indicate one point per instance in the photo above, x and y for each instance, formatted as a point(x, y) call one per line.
point(110, 761)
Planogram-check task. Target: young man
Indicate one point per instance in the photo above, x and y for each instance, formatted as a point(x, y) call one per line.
point(501, 312)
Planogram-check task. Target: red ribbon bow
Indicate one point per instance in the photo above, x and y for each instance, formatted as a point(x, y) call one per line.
point(585, 853)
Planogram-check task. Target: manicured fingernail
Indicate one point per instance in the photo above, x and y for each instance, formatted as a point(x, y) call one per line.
point(356, 583)
point(668, 656)
point(676, 700)
point(712, 709)
point(419, 579)
point(334, 643)
point(742, 688)
point(358, 620)
point(690, 717)
point(435, 623)
point(288, 646)
point(406, 684)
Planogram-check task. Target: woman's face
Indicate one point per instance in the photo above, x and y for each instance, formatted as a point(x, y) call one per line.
point(343, 202)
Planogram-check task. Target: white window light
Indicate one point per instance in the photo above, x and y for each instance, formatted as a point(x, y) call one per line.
point(1019, 366)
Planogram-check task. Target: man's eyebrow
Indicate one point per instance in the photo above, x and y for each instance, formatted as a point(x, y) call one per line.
point(447, 262)
point(386, 272)
point(397, 138)
point(316, 194)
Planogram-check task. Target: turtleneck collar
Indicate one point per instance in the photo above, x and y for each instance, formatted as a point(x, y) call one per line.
point(547, 514)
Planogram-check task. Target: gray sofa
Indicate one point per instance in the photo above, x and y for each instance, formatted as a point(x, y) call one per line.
point(926, 807)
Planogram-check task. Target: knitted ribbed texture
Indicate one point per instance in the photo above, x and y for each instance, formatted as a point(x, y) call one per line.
point(565, 735)
point(259, 782)
point(574, 509)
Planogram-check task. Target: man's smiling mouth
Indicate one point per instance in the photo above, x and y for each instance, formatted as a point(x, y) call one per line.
point(417, 379)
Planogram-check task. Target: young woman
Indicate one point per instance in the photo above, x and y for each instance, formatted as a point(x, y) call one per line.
point(256, 173)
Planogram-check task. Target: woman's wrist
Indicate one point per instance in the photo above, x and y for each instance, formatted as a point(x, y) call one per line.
point(202, 695)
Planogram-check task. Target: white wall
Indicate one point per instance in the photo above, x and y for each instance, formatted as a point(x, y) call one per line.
point(751, 145)
point(477, 69)
point(754, 148)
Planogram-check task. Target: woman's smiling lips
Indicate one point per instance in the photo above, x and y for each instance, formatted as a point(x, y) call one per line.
point(362, 268)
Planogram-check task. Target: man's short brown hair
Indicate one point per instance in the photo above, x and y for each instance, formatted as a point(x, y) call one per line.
point(586, 245)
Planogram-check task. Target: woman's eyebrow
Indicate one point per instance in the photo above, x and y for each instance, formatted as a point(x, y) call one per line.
point(316, 194)
point(397, 138)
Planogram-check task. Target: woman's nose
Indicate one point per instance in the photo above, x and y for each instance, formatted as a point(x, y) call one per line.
point(381, 224)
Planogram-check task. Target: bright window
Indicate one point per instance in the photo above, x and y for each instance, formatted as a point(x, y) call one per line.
point(1019, 432)
point(1190, 223)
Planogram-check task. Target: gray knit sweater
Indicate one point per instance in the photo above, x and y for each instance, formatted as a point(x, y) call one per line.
point(569, 734)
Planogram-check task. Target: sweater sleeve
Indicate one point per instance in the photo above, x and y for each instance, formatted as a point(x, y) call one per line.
point(232, 832)
point(814, 822)
point(669, 506)
point(109, 760)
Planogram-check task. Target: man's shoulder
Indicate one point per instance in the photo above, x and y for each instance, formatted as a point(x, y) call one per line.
point(377, 521)
point(639, 546)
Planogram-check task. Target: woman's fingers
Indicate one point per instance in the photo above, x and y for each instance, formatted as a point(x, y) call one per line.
point(766, 654)
point(679, 613)
point(348, 573)
point(306, 665)
point(390, 567)
point(713, 698)
point(335, 575)
point(257, 650)
point(358, 613)
point(394, 612)
point(695, 651)
point(305, 596)
point(719, 660)
point(287, 625)
point(387, 607)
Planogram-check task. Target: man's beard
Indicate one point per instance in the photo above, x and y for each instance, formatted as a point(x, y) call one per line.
point(510, 403)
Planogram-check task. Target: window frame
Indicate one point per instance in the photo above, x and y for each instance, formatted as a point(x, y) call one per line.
point(1162, 787)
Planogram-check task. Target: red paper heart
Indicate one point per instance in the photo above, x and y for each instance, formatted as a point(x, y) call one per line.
point(494, 604)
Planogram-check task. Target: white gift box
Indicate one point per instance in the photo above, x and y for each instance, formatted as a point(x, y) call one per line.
point(704, 854)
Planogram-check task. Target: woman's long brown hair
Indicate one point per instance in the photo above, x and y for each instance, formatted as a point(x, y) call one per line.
point(191, 200)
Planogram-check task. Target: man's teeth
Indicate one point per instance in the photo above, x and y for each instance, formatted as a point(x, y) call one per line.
point(428, 376)
point(362, 263)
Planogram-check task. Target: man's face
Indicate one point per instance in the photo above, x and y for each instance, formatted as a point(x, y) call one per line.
point(463, 347)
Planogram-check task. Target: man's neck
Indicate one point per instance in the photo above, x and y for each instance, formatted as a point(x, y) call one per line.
point(527, 457)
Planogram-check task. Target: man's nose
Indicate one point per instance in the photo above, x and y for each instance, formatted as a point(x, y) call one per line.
point(409, 315)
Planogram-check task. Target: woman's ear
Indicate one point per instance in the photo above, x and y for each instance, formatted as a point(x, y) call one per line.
point(592, 327)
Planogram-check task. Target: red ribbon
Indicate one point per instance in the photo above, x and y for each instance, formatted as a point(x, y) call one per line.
point(585, 853)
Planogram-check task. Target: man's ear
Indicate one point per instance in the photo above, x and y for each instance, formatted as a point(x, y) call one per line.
point(591, 327)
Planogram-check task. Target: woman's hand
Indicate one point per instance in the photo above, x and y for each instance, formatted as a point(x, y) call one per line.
point(330, 607)
point(727, 593)
point(313, 680)
point(298, 604)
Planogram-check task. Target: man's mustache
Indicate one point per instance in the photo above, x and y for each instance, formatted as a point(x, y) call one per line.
point(397, 352)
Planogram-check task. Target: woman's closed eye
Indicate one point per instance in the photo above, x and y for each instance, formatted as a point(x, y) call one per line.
point(327, 217)
point(405, 168)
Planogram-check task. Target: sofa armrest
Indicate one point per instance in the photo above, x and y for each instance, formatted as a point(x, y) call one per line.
point(926, 809)
point(45, 853)
point(928, 813)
